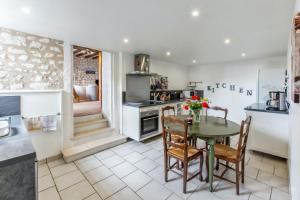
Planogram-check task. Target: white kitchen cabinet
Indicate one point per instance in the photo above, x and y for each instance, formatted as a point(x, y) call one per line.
point(132, 122)
point(269, 133)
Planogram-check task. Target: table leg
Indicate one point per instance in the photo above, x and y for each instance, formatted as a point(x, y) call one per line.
point(211, 160)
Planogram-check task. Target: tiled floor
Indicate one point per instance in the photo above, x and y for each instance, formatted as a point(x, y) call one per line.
point(134, 171)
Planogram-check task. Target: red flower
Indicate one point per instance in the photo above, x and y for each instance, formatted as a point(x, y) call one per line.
point(185, 107)
point(195, 98)
point(205, 105)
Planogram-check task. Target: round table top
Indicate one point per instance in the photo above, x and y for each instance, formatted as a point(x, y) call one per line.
point(212, 127)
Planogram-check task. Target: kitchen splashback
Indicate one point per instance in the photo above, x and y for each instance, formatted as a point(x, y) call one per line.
point(10, 105)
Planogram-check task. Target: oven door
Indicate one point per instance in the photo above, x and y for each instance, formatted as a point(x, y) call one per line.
point(149, 125)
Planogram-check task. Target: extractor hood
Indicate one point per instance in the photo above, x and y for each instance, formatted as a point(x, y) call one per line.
point(141, 66)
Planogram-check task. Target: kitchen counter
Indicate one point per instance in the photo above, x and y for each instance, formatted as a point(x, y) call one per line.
point(141, 104)
point(18, 147)
point(260, 107)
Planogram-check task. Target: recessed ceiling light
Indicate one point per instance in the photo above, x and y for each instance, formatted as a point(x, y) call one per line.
point(194, 61)
point(195, 13)
point(243, 54)
point(26, 10)
point(227, 41)
point(168, 53)
point(126, 40)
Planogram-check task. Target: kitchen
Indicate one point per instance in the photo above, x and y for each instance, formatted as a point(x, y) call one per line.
point(190, 74)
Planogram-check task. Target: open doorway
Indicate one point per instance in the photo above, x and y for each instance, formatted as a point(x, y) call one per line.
point(87, 83)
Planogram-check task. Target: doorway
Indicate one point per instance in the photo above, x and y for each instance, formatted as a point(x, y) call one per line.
point(87, 81)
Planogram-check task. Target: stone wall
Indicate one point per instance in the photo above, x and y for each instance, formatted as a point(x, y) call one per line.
point(30, 62)
point(81, 65)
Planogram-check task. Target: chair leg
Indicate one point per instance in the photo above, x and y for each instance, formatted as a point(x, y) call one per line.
point(166, 162)
point(243, 170)
point(218, 164)
point(237, 171)
point(200, 170)
point(185, 168)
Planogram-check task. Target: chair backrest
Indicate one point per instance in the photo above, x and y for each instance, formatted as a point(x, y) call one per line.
point(168, 108)
point(173, 126)
point(217, 108)
point(244, 132)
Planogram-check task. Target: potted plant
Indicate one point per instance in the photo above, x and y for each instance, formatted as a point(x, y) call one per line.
point(195, 105)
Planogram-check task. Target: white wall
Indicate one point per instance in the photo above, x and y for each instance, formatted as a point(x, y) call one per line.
point(294, 132)
point(177, 74)
point(242, 74)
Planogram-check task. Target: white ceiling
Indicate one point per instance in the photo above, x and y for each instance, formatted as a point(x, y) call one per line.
point(259, 28)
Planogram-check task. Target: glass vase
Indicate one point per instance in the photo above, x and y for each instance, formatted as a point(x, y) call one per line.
point(196, 115)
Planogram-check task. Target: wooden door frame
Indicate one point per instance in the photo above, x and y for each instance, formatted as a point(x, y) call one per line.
point(100, 77)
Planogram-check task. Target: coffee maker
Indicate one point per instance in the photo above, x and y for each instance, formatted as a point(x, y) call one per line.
point(276, 101)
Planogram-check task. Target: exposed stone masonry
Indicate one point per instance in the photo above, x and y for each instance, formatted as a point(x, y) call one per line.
point(81, 65)
point(29, 61)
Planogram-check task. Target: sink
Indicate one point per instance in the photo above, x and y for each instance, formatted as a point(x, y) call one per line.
point(5, 128)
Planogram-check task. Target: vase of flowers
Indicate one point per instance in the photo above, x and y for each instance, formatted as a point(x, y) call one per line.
point(195, 106)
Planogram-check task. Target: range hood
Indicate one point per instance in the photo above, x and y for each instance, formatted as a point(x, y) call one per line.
point(141, 66)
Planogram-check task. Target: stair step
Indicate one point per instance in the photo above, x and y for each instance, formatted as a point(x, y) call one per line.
point(92, 147)
point(87, 118)
point(83, 134)
point(90, 126)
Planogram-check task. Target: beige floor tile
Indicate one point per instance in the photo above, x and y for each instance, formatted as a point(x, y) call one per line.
point(94, 197)
point(104, 154)
point(141, 148)
point(87, 164)
point(272, 180)
point(112, 161)
point(158, 175)
point(282, 172)
point(137, 180)
point(134, 157)
point(176, 186)
point(257, 188)
point(146, 165)
point(275, 161)
point(122, 150)
point(98, 174)
point(279, 195)
point(56, 163)
point(49, 194)
point(43, 170)
point(77, 192)
point(123, 169)
point(174, 197)
point(109, 186)
point(204, 194)
point(125, 194)
point(45, 182)
point(153, 154)
point(69, 179)
point(226, 190)
point(154, 190)
point(63, 169)
point(253, 197)
point(265, 167)
point(251, 172)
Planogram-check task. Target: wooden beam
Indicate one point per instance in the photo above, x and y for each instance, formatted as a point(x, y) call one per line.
point(92, 55)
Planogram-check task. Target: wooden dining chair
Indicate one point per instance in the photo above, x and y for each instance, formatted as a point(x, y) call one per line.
point(235, 156)
point(220, 140)
point(182, 152)
point(170, 111)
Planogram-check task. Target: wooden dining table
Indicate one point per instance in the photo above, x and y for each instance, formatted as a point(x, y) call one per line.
point(210, 129)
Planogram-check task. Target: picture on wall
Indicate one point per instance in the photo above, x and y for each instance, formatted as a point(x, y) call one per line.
point(295, 64)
